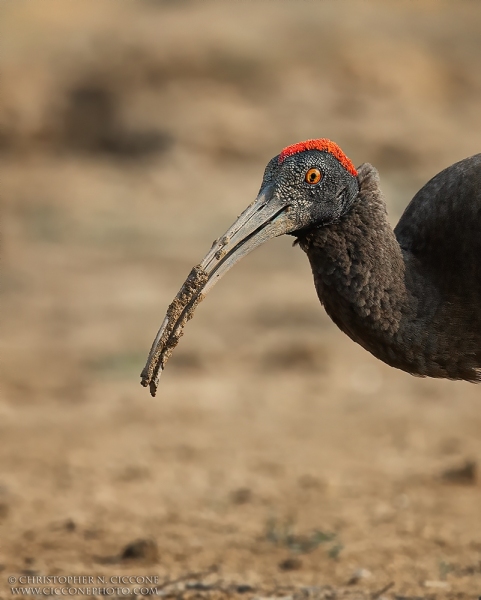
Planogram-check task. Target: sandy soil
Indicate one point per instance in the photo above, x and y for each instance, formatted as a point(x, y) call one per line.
point(278, 456)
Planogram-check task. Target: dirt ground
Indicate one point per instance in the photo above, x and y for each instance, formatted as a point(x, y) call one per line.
point(279, 459)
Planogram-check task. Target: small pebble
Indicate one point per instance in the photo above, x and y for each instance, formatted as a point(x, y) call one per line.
point(290, 564)
point(141, 550)
point(358, 575)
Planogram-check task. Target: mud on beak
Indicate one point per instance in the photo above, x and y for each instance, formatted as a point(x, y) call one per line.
point(265, 218)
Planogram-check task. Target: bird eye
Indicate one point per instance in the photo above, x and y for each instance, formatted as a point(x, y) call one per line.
point(313, 176)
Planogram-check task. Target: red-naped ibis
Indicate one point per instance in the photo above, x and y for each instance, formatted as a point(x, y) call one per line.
point(411, 297)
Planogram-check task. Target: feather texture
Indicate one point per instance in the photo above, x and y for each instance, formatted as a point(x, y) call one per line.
point(411, 296)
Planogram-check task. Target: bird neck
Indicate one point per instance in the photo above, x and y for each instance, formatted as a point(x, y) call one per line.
point(360, 273)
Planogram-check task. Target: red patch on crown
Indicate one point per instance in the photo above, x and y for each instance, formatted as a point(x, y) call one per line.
point(324, 145)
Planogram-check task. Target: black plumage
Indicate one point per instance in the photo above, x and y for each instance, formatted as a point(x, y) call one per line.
point(411, 296)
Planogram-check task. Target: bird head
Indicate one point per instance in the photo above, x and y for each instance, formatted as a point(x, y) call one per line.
point(314, 180)
point(309, 184)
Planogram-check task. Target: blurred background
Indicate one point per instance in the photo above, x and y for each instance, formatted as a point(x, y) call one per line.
point(278, 455)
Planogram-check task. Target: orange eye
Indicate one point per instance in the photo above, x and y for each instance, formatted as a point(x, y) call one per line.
point(313, 176)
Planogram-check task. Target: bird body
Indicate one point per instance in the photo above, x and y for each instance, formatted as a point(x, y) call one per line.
point(408, 296)
point(411, 296)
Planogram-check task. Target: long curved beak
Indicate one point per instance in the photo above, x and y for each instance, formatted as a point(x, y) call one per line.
point(265, 218)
